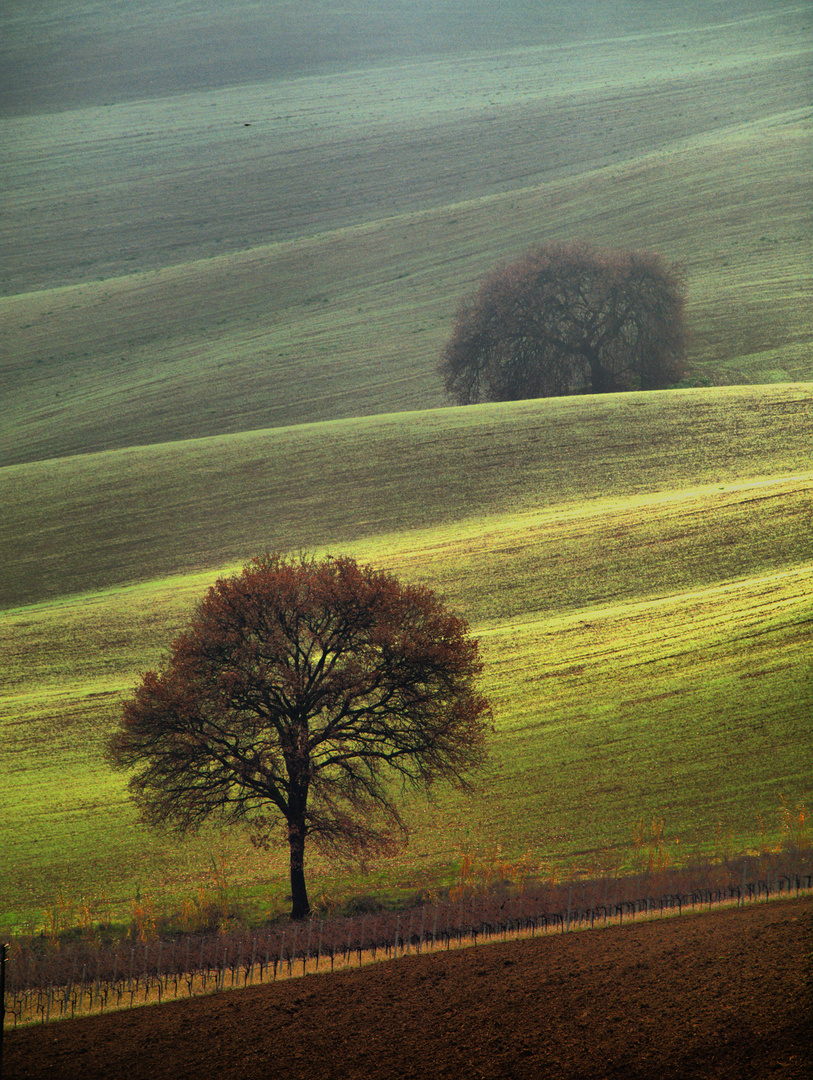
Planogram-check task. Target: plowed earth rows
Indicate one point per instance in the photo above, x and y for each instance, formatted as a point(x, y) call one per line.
point(721, 995)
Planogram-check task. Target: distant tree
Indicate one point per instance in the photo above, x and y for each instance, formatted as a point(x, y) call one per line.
point(568, 319)
point(301, 690)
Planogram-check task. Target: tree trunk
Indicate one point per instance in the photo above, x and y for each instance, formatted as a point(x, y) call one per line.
point(599, 382)
point(300, 905)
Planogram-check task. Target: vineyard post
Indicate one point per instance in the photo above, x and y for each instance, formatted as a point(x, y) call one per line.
point(99, 977)
point(3, 955)
point(294, 947)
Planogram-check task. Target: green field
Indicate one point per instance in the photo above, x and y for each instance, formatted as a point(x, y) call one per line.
point(236, 351)
point(308, 267)
point(646, 626)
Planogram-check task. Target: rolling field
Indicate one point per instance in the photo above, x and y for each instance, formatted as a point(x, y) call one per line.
point(645, 619)
point(223, 299)
point(171, 273)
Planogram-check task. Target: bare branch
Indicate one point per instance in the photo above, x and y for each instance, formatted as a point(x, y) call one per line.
point(303, 686)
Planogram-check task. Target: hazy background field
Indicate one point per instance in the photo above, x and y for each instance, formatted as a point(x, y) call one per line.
point(172, 273)
point(234, 239)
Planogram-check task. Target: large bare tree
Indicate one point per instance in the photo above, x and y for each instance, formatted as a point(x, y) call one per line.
point(301, 690)
point(565, 319)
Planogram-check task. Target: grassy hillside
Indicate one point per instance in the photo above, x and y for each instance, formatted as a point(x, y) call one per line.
point(638, 569)
point(86, 522)
point(72, 54)
point(225, 290)
point(308, 267)
point(353, 322)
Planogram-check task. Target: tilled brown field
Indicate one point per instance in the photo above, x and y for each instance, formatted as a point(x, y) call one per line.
point(722, 995)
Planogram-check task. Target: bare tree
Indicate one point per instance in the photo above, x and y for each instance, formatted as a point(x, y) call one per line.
point(566, 319)
point(300, 691)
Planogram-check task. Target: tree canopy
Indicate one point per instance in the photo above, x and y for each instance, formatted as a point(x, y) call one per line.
point(568, 319)
point(300, 691)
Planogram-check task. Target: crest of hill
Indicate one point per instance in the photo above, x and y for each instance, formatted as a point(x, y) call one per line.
point(91, 521)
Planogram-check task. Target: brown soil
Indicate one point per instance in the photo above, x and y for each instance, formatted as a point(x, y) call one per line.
point(722, 995)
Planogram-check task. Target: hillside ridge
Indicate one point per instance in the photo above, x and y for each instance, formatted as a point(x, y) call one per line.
point(88, 521)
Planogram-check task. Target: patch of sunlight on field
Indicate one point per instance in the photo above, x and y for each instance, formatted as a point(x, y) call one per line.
point(694, 708)
point(637, 641)
point(94, 520)
point(517, 565)
point(662, 705)
point(96, 635)
point(71, 834)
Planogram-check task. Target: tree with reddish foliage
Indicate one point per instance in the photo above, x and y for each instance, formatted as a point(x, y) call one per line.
point(568, 319)
point(301, 690)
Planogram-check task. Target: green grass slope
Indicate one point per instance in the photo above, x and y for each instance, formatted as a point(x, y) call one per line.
point(638, 568)
point(94, 520)
point(67, 55)
point(91, 521)
point(308, 268)
point(222, 308)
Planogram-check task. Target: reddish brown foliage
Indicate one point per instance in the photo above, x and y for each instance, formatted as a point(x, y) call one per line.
point(299, 686)
point(566, 319)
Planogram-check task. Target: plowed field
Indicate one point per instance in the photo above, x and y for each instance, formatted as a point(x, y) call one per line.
point(722, 995)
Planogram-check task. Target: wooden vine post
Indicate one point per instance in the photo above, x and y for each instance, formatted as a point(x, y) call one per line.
point(3, 954)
